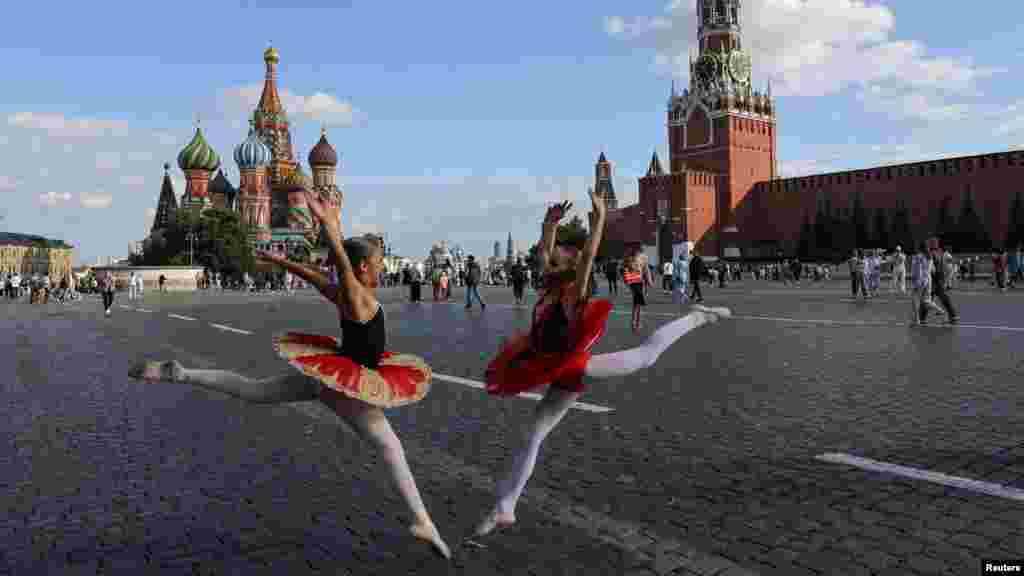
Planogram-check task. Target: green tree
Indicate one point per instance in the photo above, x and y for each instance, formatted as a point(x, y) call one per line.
point(882, 237)
point(945, 227)
point(901, 233)
point(807, 247)
point(1015, 232)
point(970, 234)
point(859, 220)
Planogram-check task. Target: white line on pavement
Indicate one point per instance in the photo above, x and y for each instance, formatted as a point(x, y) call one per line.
point(474, 384)
point(799, 320)
point(230, 329)
point(123, 306)
point(989, 488)
point(142, 310)
point(180, 317)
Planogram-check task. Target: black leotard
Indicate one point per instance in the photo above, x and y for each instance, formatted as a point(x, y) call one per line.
point(364, 343)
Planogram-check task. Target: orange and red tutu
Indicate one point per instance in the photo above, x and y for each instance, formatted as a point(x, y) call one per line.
point(398, 380)
point(518, 367)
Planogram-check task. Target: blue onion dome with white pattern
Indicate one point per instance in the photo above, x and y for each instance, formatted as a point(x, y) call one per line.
point(252, 153)
point(198, 155)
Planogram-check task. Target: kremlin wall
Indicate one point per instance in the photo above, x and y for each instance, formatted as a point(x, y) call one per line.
point(723, 197)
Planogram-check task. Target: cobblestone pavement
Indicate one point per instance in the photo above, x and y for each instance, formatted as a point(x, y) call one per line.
point(705, 465)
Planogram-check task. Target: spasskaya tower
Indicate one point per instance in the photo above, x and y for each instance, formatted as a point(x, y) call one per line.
point(720, 124)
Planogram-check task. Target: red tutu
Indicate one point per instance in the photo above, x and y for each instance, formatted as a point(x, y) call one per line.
point(399, 379)
point(517, 368)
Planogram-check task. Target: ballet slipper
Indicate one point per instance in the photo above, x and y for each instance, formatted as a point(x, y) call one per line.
point(494, 520)
point(170, 371)
point(715, 313)
point(427, 531)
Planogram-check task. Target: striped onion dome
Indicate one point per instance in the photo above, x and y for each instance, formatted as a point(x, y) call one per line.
point(198, 155)
point(252, 153)
point(297, 180)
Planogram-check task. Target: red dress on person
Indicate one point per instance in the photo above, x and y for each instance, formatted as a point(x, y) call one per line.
point(358, 366)
point(555, 351)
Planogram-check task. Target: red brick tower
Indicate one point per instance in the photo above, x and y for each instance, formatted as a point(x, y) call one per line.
point(721, 124)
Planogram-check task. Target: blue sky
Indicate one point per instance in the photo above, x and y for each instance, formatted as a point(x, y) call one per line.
point(460, 120)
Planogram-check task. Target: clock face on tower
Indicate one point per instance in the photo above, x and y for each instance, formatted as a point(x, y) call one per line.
point(739, 67)
point(706, 70)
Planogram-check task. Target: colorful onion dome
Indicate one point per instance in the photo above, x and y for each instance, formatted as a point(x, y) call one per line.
point(198, 155)
point(252, 153)
point(297, 180)
point(270, 55)
point(323, 153)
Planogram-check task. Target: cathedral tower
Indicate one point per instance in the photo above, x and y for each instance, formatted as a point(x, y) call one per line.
point(197, 160)
point(272, 122)
point(721, 124)
point(253, 158)
point(603, 182)
point(323, 160)
point(167, 204)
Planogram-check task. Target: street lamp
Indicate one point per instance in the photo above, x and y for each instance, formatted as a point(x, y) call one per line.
point(191, 243)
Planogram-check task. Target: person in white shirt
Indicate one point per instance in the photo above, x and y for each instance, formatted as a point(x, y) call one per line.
point(666, 276)
point(131, 286)
point(947, 262)
point(288, 281)
point(139, 285)
point(899, 271)
point(16, 285)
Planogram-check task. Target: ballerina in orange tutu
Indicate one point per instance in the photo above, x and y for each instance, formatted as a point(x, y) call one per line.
point(356, 379)
point(566, 325)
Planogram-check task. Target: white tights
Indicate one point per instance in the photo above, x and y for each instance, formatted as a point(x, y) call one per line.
point(557, 401)
point(368, 422)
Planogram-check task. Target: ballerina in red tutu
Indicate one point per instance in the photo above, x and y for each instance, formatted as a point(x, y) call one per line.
point(566, 324)
point(356, 378)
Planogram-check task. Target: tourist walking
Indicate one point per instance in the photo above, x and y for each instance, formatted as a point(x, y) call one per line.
point(473, 274)
point(346, 376)
point(634, 276)
point(415, 285)
point(857, 267)
point(517, 275)
point(161, 283)
point(999, 268)
point(107, 290)
point(921, 271)
point(681, 280)
point(131, 286)
point(666, 276)
point(899, 271)
point(939, 282)
point(611, 272)
point(566, 325)
point(696, 275)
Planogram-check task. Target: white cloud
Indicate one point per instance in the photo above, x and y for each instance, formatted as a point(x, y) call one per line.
point(135, 182)
point(95, 200)
point(806, 48)
point(54, 198)
point(920, 105)
point(7, 183)
point(60, 126)
point(237, 103)
point(108, 161)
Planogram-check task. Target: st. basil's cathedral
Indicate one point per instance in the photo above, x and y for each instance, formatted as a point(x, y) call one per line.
point(722, 195)
point(270, 195)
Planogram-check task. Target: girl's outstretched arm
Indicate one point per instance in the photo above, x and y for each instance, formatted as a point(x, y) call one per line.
point(314, 277)
point(549, 230)
point(348, 283)
point(586, 262)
